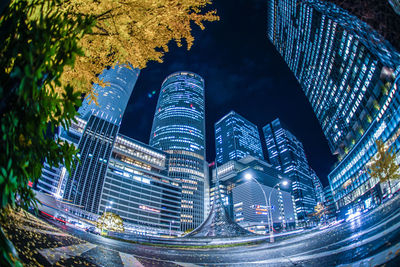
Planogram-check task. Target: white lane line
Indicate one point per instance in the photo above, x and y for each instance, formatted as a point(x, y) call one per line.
point(186, 264)
point(53, 255)
point(129, 260)
point(321, 254)
point(377, 259)
point(353, 236)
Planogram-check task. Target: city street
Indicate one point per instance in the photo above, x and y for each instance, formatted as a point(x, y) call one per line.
point(371, 239)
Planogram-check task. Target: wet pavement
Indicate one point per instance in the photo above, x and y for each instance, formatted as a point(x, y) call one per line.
point(371, 239)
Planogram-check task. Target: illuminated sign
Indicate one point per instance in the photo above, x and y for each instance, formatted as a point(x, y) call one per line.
point(148, 208)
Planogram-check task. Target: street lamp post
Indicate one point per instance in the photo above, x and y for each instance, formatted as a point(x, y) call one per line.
point(248, 176)
point(270, 209)
point(170, 226)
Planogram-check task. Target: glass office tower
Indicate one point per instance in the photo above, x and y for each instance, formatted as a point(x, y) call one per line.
point(286, 154)
point(235, 138)
point(86, 181)
point(348, 72)
point(179, 129)
point(113, 98)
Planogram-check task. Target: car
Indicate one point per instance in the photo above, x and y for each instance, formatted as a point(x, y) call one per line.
point(93, 230)
point(60, 219)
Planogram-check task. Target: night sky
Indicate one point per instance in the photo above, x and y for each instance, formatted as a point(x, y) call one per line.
point(242, 72)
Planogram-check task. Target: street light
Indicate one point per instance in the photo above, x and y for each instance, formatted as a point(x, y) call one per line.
point(248, 176)
point(170, 224)
point(284, 183)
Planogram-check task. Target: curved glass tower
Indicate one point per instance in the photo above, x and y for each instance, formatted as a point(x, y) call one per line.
point(179, 118)
point(112, 99)
point(179, 129)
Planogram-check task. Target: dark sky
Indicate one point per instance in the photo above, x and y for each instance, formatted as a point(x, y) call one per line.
point(242, 72)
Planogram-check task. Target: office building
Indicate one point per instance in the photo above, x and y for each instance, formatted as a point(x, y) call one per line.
point(329, 204)
point(86, 181)
point(286, 153)
point(395, 5)
point(53, 179)
point(318, 188)
point(235, 138)
point(179, 129)
point(348, 73)
point(112, 98)
point(244, 199)
point(137, 188)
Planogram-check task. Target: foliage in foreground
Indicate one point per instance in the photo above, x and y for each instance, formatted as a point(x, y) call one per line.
point(111, 222)
point(40, 88)
point(132, 31)
point(38, 41)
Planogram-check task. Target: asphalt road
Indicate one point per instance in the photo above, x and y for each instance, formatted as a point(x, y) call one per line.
point(368, 240)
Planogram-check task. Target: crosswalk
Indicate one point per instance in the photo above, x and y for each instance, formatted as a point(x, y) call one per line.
point(80, 251)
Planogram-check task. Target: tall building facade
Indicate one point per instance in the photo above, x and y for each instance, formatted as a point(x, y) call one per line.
point(137, 188)
point(235, 138)
point(348, 73)
point(245, 201)
point(179, 129)
point(53, 179)
point(286, 153)
point(318, 188)
point(86, 181)
point(112, 98)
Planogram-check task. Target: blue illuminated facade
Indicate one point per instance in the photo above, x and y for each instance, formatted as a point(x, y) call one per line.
point(179, 129)
point(286, 153)
point(113, 98)
point(348, 72)
point(235, 138)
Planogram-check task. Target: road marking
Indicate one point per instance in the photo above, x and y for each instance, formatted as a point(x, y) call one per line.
point(129, 260)
point(296, 258)
point(186, 264)
point(366, 231)
point(377, 259)
point(53, 255)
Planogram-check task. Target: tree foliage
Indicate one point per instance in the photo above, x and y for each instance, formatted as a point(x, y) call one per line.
point(51, 51)
point(111, 222)
point(319, 210)
point(384, 166)
point(132, 31)
point(38, 41)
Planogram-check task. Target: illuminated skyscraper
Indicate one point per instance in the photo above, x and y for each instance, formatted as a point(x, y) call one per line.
point(348, 73)
point(85, 185)
point(179, 129)
point(286, 153)
point(113, 98)
point(235, 138)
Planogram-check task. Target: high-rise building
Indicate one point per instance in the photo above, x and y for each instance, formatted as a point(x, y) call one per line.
point(138, 189)
point(348, 73)
point(245, 200)
point(86, 181)
point(112, 98)
point(235, 138)
point(329, 203)
point(179, 129)
point(318, 189)
point(338, 61)
point(286, 153)
point(53, 179)
point(395, 5)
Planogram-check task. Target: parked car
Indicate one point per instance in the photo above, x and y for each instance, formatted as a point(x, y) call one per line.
point(93, 230)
